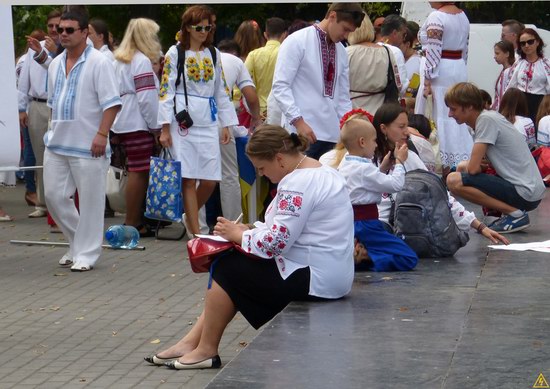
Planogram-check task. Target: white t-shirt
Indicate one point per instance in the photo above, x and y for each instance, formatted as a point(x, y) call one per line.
point(236, 74)
point(309, 223)
point(543, 135)
point(108, 53)
point(526, 128)
point(509, 154)
point(138, 87)
point(78, 101)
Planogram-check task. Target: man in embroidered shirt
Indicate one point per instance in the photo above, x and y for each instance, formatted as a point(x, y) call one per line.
point(261, 62)
point(518, 187)
point(33, 111)
point(311, 81)
point(393, 31)
point(84, 97)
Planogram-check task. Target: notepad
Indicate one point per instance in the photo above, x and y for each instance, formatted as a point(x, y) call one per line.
point(217, 238)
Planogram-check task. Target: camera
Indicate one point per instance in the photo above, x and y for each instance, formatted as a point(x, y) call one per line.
point(184, 119)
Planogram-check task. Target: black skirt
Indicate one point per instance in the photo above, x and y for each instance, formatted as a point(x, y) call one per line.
point(256, 287)
point(533, 102)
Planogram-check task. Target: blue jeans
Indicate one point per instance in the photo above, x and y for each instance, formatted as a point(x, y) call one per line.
point(28, 160)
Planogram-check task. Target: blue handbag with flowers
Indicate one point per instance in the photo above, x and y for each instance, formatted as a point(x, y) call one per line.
point(164, 200)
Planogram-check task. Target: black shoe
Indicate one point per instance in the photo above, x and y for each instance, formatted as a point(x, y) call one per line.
point(209, 363)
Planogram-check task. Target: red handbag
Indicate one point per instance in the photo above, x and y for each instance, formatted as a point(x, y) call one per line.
point(202, 253)
point(542, 157)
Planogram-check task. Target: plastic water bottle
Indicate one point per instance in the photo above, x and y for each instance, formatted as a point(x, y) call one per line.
point(123, 237)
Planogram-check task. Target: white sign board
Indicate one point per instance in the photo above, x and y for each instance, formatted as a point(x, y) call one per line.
point(10, 146)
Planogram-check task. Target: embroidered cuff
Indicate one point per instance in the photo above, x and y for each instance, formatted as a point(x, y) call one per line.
point(41, 57)
point(293, 121)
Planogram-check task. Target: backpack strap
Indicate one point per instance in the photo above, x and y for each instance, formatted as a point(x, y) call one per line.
point(181, 66)
point(213, 54)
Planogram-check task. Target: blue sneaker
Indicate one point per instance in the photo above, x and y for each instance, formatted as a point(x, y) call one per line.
point(508, 224)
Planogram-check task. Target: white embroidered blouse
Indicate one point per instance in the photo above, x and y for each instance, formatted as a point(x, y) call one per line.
point(531, 77)
point(443, 31)
point(309, 223)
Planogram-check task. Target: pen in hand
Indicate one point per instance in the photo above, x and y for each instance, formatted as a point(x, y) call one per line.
point(239, 219)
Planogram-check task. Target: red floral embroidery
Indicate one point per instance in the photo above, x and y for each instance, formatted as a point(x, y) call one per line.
point(274, 241)
point(289, 203)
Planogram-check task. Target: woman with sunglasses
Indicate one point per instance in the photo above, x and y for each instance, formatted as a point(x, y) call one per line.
point(202, 92)
point(531, 73)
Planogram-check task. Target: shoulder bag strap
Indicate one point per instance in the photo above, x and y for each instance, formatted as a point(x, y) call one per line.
point(181, 66)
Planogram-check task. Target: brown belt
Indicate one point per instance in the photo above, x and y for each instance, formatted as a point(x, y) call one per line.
point(451, 54)
point(365, 212)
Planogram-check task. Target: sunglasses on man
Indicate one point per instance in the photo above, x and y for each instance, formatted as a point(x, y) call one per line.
point(207, 28)
point(528, 42)
point(68, 30)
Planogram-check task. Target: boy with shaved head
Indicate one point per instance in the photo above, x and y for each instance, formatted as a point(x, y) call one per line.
point(366, 183)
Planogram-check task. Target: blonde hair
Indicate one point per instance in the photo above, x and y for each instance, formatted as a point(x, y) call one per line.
point(364, 33)
point(354, 129)
point(141, 34)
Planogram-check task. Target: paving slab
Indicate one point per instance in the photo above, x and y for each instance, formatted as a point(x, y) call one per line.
point(64, 329)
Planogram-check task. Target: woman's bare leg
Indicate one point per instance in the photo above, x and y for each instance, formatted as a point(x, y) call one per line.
point(186, 344)
point(218, 312)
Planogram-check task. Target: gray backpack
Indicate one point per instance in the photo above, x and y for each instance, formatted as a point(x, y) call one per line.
point(423, 219)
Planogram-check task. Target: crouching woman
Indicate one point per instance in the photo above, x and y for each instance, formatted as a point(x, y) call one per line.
point(304, 250)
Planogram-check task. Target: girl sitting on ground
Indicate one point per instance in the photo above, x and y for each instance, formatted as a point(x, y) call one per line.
point(514, 108)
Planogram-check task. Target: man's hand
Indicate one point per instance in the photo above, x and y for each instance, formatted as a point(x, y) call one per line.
point(33, 43)
point(50, 45)
point(302, 128)
point(23, 119)
point(98, 146)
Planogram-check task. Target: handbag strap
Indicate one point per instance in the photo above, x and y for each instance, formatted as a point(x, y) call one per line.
point(166, 154)
point(391, 76)
point(181, 65)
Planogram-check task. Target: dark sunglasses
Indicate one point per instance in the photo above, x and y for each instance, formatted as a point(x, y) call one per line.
point(202, 28)
point(51, 25)
point(68, 30)
point(527, 42)
point(356, 15)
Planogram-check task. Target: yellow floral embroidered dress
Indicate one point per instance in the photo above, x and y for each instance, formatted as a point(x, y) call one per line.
point(197, 147)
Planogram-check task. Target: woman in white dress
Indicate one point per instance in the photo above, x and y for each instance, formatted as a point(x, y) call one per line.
point(444, 38)
point(531, 73)
point(368, 68)
point(198, 146)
